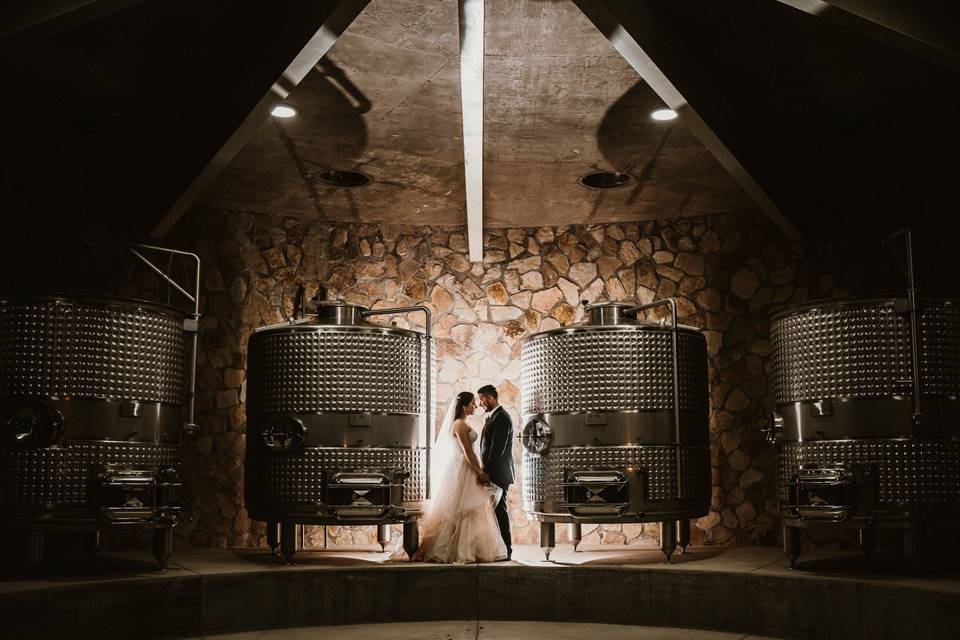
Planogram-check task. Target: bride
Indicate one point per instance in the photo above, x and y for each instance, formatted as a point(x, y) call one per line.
point(459, 525)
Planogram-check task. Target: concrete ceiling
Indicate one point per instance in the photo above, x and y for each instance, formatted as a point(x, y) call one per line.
point(115, 108)
point(559, 102)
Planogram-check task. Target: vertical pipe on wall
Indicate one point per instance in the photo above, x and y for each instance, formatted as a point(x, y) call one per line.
point(428, 377)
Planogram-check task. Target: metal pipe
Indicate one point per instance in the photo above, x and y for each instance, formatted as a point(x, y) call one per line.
point(914, 331)
point(913, 311)
point(194, 327)
point(672, 305)
point(429, 365)
point(299, 303)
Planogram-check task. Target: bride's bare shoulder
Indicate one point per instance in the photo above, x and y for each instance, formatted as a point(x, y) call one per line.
point(460, 426)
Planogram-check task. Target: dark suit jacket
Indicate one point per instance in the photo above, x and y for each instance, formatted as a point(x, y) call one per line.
point(496, 447)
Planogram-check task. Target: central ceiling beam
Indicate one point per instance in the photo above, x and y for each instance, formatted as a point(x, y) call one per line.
point(471, 98)
point(653, 49)
point(925, 28)
point(336, 22)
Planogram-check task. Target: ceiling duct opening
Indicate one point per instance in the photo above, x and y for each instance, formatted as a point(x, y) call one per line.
point(344, 178)
point(606, 180)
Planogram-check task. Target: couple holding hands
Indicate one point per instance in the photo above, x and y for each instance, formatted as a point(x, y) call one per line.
point(466, 519)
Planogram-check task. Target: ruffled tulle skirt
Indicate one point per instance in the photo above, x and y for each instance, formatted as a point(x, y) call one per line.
point(459, 525)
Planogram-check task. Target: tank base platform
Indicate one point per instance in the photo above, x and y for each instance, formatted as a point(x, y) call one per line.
point(748, 590)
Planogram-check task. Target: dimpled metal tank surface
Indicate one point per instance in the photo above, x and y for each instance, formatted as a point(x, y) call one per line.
point(855, 449)
point(615, 424)
point(91, 393)
point(337, 410)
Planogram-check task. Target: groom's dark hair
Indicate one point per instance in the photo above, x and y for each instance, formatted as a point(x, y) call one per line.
point(489, 390)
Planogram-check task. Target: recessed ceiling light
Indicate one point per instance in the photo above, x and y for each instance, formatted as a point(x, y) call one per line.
point(664, 114)
point(283, 111)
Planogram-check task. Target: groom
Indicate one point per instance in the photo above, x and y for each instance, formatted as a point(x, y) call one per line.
point(496, 452)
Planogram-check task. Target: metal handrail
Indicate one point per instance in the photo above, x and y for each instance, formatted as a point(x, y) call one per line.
point(429, 365)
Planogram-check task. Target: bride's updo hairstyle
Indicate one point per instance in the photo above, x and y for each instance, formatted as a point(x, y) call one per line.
point(463, 399)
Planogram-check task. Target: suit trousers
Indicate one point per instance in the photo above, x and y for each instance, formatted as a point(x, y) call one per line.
point(503, 520)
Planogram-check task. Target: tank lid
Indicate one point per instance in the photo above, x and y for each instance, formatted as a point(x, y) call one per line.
point(82, 300)
point(340, 312)
point(840, 303)
point(610, 313)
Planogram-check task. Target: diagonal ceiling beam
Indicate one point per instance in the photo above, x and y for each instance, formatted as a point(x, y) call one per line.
point(920, 27)
point(25, 22)
point(332, 28)
point(471, 99)
point(658, 55)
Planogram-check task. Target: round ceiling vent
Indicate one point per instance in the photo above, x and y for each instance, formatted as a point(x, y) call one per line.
point(344, 178)
point(606, 180)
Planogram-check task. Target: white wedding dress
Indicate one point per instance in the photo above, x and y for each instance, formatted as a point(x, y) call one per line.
point(459, 525)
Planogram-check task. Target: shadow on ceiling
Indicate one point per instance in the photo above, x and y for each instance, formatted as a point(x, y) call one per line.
point(336, 129)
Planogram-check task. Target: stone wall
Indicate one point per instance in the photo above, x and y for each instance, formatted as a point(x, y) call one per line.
point(727, 271)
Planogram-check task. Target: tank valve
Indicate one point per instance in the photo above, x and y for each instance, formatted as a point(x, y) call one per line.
point(772, 430)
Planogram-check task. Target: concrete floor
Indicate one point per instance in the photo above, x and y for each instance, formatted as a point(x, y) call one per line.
point(736, 592)
point(765, 561)
point(489, 630)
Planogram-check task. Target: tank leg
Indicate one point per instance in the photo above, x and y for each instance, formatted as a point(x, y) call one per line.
point(273, 537)
point(547, 538)
point(34, 559)
point(792, 540)
point(288, 540)
point(868, 541)
point(383, 536)
point(411, 538)
point(576, 534)
point(911, 547)
point(668, 538)
point(163, 545)
point(684, 527)
point(91, 542)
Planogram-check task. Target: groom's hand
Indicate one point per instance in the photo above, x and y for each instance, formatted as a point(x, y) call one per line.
point(483, 478)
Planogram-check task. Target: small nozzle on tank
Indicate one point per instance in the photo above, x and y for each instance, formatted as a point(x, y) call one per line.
point(321, 294)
